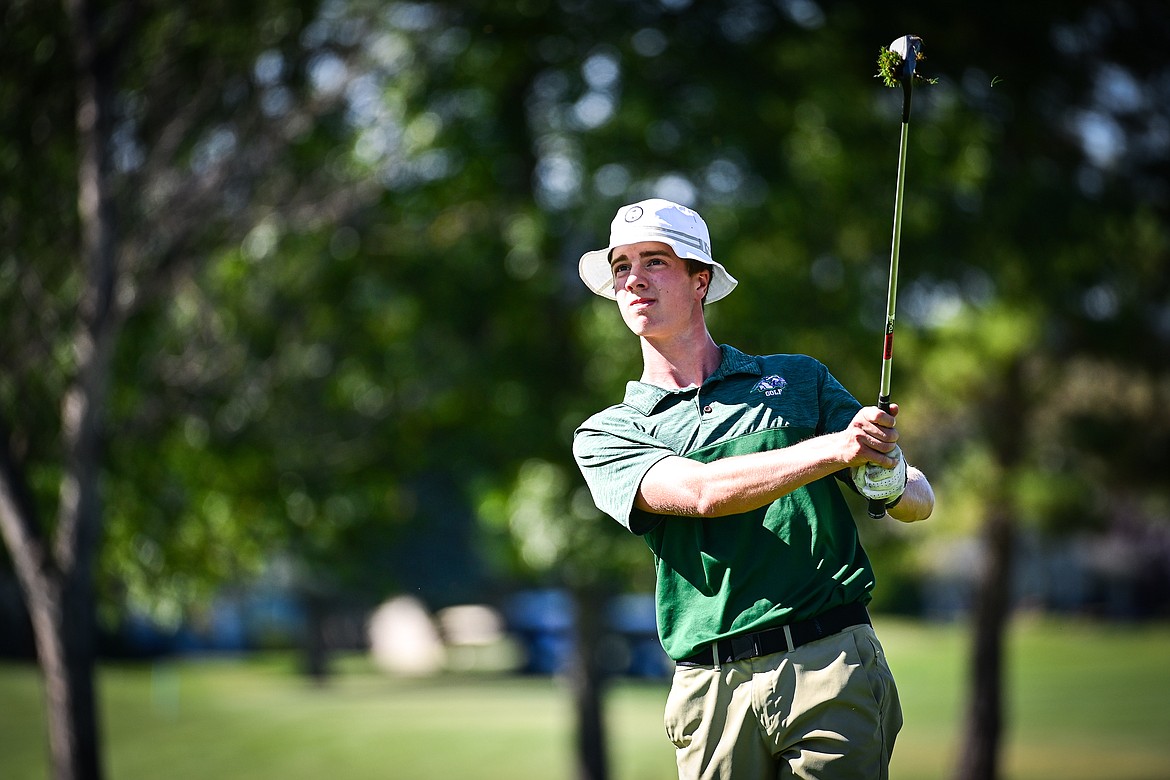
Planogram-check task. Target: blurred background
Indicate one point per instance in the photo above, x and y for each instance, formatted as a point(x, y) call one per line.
point(292, 347)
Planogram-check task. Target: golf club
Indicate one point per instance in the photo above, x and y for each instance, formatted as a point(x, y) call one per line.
point(896, 69)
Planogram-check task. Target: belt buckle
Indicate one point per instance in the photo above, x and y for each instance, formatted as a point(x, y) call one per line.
point(745, 646)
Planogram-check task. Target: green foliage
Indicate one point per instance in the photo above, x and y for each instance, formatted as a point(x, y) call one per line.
point(369, 333)
point(889, 63)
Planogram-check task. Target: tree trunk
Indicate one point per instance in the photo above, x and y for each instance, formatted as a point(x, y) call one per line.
point(979, 754)
point(587, 674)
point(59, 581)
point(63, 626)
point(313, 643)
point(983, 727)
point(60, 607)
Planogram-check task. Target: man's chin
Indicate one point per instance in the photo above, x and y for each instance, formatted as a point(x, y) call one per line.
point(636, 322)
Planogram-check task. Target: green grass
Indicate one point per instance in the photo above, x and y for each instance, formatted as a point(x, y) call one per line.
point(1085, 701)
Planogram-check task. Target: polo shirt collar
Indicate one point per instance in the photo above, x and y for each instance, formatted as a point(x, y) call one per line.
point(644, 397)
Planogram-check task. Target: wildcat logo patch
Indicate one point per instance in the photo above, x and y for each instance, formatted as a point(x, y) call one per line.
point(771, 385)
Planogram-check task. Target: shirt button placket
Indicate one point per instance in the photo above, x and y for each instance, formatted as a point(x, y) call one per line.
point(704, 406)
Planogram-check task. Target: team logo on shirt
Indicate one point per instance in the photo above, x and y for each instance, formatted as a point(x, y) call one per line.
point(771, 385)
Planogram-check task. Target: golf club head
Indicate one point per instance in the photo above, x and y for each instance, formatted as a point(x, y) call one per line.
point(908, 47)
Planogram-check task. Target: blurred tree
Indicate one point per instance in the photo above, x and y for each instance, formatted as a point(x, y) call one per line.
point(343, 248)
point(1042, 376)
point(136, 139)
point(788, 147)
point(1041, 154)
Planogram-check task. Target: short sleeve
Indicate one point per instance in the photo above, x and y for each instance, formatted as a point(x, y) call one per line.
point(838, 406)
point(613, 457)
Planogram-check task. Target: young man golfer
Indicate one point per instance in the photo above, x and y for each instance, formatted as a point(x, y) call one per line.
point(725, 463)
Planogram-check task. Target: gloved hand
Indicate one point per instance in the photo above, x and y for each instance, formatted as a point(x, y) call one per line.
point(881, 484)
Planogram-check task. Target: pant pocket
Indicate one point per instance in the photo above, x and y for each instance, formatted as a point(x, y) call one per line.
point(683, 717)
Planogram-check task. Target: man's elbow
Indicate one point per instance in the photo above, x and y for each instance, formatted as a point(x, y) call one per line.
point(684, 498)
point(710, 501)
point(917, 503)
point(705, 504)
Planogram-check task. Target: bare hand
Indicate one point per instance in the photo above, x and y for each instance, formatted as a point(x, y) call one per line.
point(870, 437)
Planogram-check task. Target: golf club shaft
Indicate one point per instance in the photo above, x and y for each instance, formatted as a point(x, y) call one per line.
point(877, 507)
point(892, 291)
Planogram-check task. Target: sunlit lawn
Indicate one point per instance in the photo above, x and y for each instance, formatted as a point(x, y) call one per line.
point(1085, 702)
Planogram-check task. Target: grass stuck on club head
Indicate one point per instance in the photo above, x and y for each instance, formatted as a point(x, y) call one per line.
point(889, 64)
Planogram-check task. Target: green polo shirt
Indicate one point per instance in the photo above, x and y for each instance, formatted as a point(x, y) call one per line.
point(787, 561)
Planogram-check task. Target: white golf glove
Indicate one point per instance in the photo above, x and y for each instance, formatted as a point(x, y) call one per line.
point(881, 484)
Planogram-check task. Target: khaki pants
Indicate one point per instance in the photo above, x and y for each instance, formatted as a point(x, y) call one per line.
point(826, 710)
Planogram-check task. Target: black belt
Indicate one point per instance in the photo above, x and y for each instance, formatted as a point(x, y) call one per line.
point(779, 640)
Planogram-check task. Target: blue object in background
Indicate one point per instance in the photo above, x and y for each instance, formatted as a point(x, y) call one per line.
point(543, 621)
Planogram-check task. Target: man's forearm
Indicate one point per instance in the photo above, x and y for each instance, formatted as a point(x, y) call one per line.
point(679, 486)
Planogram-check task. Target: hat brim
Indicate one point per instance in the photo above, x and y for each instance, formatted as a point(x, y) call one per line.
point(596, 273)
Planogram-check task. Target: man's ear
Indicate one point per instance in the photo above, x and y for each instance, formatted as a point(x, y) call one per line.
point(704, 278)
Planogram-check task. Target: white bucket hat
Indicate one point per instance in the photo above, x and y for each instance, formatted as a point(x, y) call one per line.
point(680, 228)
